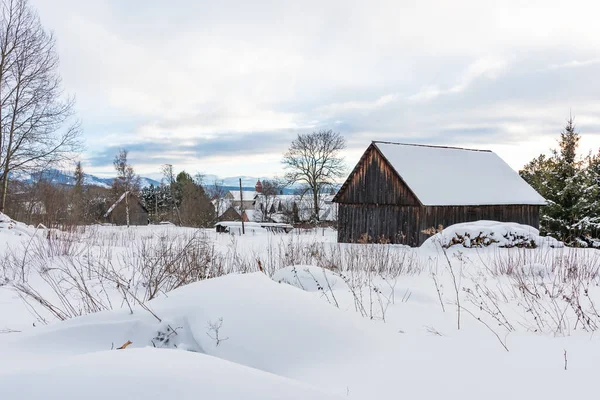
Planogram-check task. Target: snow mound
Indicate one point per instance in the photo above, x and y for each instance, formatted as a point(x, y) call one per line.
point(246, 319)
point(310, 278)
point(150, 374)
point(12, 227)
point(490, 233)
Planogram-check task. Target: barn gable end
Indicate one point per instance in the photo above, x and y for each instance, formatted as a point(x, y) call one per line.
point(374, 181)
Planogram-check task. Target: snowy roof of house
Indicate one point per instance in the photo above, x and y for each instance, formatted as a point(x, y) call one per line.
point(252, 214)
point(446, 176)
point(247, 194)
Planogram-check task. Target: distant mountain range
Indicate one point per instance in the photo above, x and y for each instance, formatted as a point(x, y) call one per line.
point(66, 178)
point(247, 181)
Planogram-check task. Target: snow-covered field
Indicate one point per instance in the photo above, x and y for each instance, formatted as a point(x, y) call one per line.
point(297, 316)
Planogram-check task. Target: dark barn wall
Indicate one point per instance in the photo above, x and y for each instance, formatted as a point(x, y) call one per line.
point(373, 181)
point(137, 213)
point(405, 224)
point(378, 223)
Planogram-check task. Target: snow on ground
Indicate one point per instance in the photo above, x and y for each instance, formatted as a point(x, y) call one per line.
point(13, 232)
point(150, 374)
point(310, 278)
point(320, 321)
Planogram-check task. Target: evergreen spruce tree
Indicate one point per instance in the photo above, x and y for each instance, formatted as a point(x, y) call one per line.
point(148, 197)
point(78, 200)
point(588, 207)
point(570, 185)
point(195, 206)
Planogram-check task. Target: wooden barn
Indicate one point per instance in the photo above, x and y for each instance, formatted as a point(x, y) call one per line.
point(397, 191)
point(117, 213)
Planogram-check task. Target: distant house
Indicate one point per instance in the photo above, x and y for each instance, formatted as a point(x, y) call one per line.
point(251, 216)
point(254, 206)
point(398, 191)
point(295, 207)
point(238, 228)
point(230, 214)
point(117, 213)
point(245, 199)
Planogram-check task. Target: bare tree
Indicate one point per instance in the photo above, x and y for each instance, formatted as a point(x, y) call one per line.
point(127, 181)
point(34, 114)
point(271, 190)
point(217, 192)
point(314, 159)
point(199, 178)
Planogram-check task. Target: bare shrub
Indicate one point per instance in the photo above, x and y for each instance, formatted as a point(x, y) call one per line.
point(167, 263)
point(214, 329)
point(549, 287)
point(70, 287)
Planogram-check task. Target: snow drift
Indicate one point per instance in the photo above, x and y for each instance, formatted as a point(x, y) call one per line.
point(248, 319)
point(150, 374)
point(490, 233)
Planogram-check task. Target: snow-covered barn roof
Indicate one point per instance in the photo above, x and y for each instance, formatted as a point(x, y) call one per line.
point(451, 176)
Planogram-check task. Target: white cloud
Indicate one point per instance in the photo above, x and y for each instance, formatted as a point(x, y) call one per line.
point(351, 106)
point(427, 93)
point(574, 64)
point(483, 68)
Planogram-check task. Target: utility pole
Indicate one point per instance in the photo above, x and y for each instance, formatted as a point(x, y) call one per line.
point(242, 207)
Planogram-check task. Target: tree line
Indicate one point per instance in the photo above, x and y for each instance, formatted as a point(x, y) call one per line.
point(180, 199)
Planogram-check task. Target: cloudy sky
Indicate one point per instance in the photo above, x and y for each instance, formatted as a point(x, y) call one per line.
point(222, 87)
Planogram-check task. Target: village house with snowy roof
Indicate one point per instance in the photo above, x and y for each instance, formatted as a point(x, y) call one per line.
point(397, 192)
point(127, 210)
point(255, 206)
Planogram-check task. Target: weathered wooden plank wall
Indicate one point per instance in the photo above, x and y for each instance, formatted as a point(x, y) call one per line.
point(373, 181)
point(405, 224)
point(375, 223)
